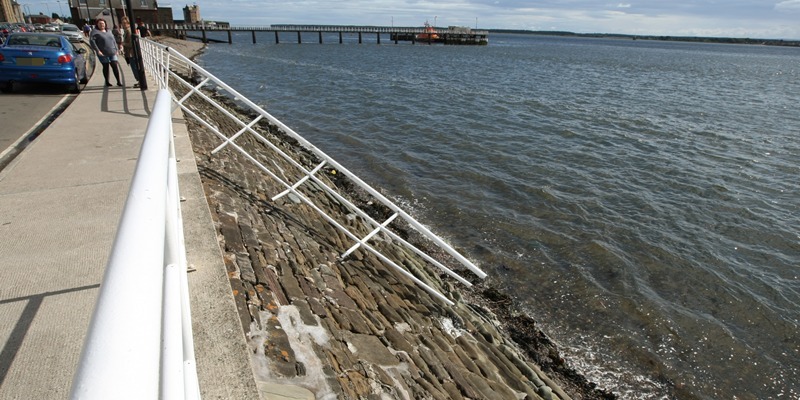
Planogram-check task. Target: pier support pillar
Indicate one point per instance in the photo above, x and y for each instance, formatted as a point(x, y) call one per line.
point(340, 37)
point(230, 37)
point(277, 41)
point(379, 37)
point(299, 39)
point(254, 37)
point(359, 37)
point(320, 37)
point(205, 39)
point(395, 37)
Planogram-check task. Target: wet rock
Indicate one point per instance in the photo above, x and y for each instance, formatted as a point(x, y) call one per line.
point(398, 341)
point(370, 349)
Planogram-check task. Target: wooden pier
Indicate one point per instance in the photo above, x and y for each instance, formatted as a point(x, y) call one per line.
point(450, 36)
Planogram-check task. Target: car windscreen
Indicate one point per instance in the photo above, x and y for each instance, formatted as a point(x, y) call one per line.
point(34, 40)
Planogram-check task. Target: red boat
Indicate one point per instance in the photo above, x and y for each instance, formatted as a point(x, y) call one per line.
point(429, 35)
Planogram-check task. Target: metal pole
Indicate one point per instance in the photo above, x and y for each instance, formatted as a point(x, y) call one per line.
point(137, 49)
point(88, 13)
point(114, 20)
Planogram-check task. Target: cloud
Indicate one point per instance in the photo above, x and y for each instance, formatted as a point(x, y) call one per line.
point(734, 18)
point(788, 5)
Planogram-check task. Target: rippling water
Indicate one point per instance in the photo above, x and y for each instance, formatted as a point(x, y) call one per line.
point(640, 199)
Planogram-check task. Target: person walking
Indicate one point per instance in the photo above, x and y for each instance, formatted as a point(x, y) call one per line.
point(127, 49)
point(103, 43)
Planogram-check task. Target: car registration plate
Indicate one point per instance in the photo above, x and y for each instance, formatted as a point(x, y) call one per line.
point(30, 61)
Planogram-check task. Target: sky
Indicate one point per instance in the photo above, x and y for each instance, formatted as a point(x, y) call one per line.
point(768, 19)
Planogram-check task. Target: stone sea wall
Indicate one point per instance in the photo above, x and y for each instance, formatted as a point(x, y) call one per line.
point(354, 328)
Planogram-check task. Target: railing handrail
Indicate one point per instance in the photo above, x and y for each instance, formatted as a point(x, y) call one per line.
point(158, 59)
point(139, 345)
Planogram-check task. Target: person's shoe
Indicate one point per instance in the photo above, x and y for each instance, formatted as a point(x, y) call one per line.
point(108, 84)
point(119, 84)
point(136, 85)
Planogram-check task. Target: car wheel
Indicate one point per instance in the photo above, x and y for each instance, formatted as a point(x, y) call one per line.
point(8, 87)
point(75, 87)
point(85, 78)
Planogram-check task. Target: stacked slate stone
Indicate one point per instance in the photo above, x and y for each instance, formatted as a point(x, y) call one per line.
point(348, 328)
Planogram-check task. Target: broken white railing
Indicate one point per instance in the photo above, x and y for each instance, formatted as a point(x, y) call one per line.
point(167, 65)
point(139, 344)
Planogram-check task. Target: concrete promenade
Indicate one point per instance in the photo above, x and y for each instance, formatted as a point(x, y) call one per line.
point(60, 203)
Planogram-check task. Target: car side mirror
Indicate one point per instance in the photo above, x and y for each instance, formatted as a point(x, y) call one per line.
point(81, 50)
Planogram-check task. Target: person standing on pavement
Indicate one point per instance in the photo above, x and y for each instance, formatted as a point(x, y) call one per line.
point(119, 36)
point(103, 43)
point(143, 31)
point(127, 49)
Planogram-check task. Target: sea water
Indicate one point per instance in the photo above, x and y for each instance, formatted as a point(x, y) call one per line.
point(639, 199)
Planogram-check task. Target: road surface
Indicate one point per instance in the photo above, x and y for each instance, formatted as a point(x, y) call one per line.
point(27, 111)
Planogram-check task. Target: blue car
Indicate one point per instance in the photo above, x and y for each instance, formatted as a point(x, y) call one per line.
point(42, 58)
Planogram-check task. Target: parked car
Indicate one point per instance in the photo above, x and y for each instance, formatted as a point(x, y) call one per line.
point(42, 58)
point(72, 32)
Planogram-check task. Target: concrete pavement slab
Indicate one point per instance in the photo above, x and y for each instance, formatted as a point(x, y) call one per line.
point(61, 200)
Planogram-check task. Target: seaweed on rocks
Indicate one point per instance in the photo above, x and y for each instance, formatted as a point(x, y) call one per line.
point(538, 346)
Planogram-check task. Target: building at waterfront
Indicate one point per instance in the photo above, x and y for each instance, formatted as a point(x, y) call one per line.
point(148, 11)
point(191, 14)
point(39, 19)
point(10, 11)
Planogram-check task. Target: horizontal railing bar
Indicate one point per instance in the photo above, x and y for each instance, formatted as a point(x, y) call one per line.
point(248, 127)
point(369, 235)
point(300, 182)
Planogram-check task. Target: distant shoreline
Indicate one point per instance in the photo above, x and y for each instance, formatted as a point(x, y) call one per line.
point(699, 39)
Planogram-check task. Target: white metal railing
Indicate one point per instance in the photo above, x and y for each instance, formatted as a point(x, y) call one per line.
point(139, 344)
point(166, 65)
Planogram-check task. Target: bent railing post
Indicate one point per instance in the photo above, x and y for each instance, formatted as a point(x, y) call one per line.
point(166, 62)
